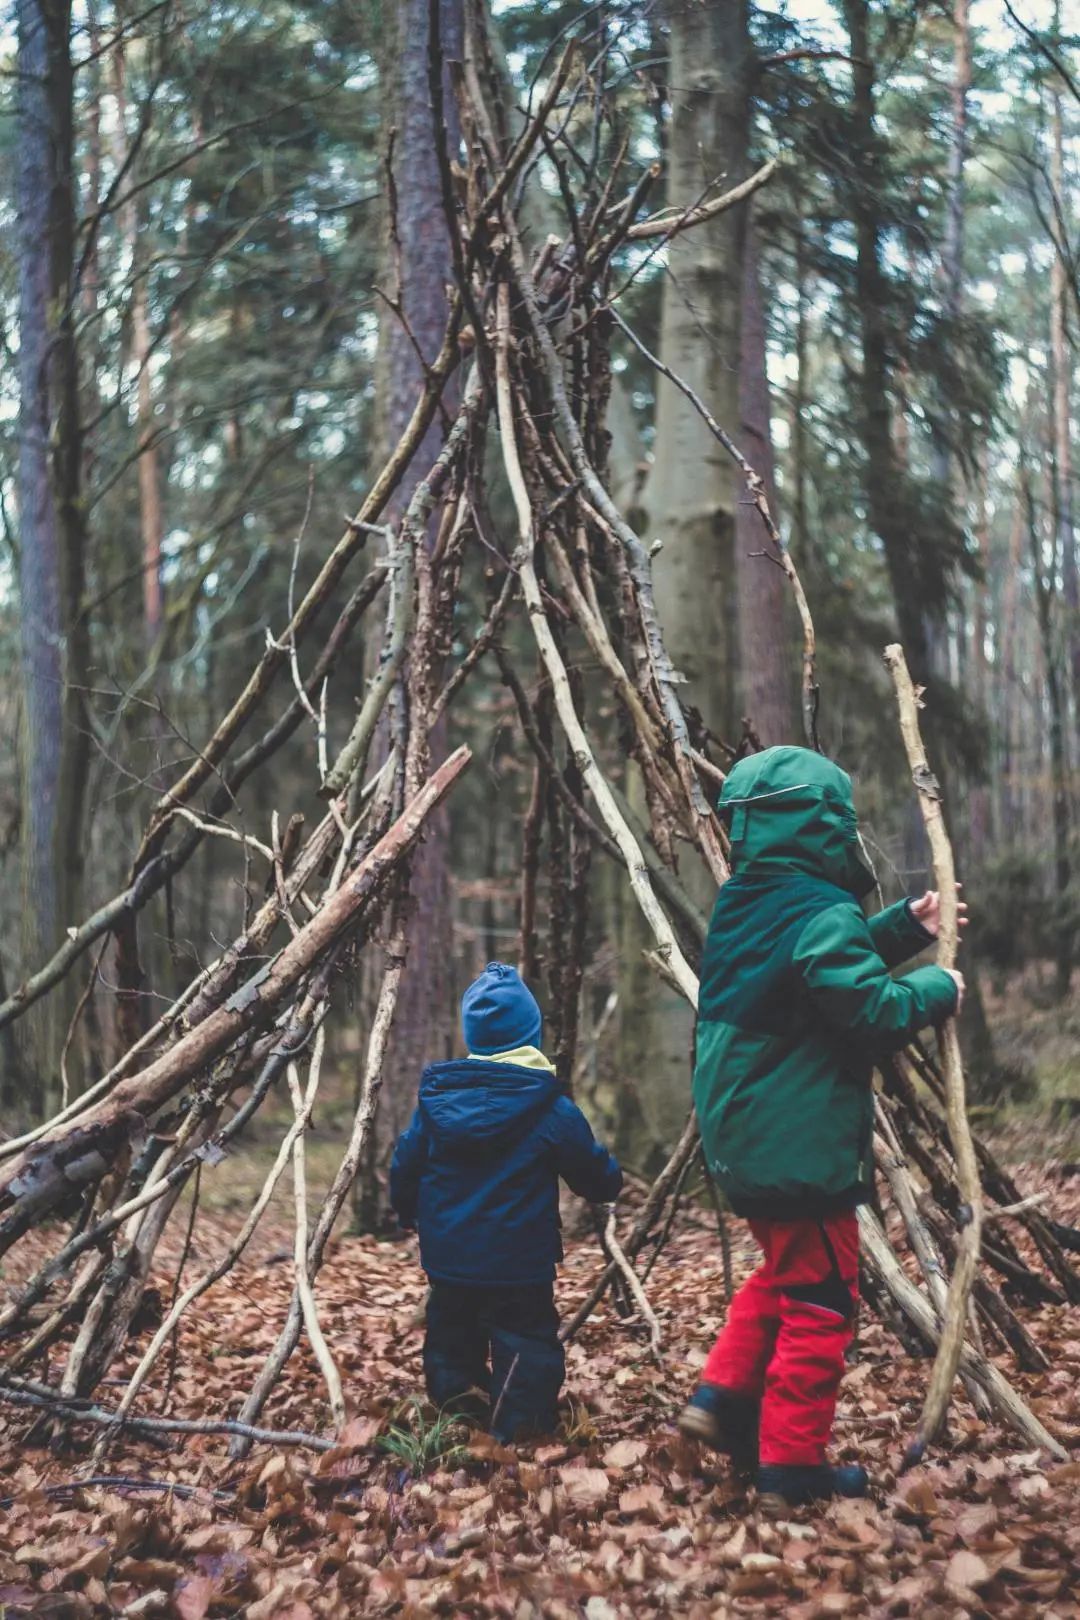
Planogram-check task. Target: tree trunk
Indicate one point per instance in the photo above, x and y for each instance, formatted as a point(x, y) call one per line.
point(151, 518)
point(54, 634)
point(979, 683)
point(690, 496)
point(952, 252)
point(885, 482)
point(424, 1027)
point(800, 513)
point(1061, 365)
point(767, 683)
point(951, 278)
point(1010, 818)
point(1044, 577)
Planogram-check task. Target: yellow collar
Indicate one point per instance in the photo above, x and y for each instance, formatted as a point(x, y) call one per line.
point(526, 1057)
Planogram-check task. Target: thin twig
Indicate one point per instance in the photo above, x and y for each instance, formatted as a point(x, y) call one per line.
point(302, 1105)
point(20, 1393)
point(755, 484)
point(633, 1282)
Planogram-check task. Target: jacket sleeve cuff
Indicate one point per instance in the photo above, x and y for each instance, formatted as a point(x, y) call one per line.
point(938, 993)
point(898, 934)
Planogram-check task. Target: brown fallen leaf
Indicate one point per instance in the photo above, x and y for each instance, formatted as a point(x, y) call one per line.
point(625, 1453)
point(642, 1499)
point(919, 1501)
point(584, 1487)
point(966, 1572)
point(193, 1595)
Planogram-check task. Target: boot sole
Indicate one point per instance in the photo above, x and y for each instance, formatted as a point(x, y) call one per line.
point(698, 1425)
point(776, 1507)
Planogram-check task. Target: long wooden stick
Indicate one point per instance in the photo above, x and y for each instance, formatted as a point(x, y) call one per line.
point(951, 1345)
point(24, 1393)
point(632, 1281)
point(1006, 1403)
point(378, 1041)
point(889, 1156)
point(215, 1272)
point(302, 1103)
point(591, 774)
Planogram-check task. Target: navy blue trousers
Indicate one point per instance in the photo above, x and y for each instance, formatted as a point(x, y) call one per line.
point(504, 1341)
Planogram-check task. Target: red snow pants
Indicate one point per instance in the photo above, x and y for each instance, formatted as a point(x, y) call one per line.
point(787, 1330)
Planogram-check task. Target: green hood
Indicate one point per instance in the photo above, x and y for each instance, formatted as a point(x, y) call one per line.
point(791, 810)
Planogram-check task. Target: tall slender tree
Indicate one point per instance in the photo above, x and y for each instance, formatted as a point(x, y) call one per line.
point(952, 274)
point(51, 518)
point(421, 270)
point(690, 495)
point(766, 686)
point(1061, 366)
point(887, 492)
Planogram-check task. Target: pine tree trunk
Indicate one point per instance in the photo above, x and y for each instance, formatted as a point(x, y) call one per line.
point(691, 493)
point(884, 478)
point(978, 672)
point(1061, 365)
point(951, 275)
point(54, 633)
point(424, 1026)
point(1045, 577)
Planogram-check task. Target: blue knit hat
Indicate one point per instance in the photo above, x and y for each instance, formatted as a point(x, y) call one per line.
point(499, 1012)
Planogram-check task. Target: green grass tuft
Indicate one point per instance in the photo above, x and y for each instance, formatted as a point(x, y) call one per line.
point(421, 1443)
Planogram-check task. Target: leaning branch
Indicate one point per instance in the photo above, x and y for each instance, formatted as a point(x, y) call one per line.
point(640, 567)
point(665, 225)
point(1004, 1400)
point(43, 1179)
point(584, 758)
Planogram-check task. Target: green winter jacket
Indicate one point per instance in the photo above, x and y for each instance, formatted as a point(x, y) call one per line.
point(797, 1002)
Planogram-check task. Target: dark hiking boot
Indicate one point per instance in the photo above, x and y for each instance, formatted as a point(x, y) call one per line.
point(788, 1485)
point(723, 1420)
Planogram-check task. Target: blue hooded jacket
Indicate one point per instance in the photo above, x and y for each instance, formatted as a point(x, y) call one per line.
point(477, 1171)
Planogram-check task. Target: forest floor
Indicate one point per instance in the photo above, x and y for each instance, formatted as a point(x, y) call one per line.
point(1037, 1049)
point(614, 1516)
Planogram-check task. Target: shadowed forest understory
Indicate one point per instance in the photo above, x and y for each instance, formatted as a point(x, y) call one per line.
point(439, 441)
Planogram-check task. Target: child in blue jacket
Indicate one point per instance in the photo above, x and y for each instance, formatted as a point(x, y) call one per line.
point(477, 1173)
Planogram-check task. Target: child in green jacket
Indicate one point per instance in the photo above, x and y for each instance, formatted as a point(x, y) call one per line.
point(797, 1004)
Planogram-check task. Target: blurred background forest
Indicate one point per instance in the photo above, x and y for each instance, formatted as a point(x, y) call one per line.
point(223, 255)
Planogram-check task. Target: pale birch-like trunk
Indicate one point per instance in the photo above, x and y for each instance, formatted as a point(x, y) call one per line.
point(690, 496)
point(766, 674)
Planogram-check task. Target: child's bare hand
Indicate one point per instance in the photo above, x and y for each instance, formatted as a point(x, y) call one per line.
point(958, 978)
point(927, 910)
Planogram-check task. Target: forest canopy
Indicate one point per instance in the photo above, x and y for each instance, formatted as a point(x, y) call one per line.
point(232, 354)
